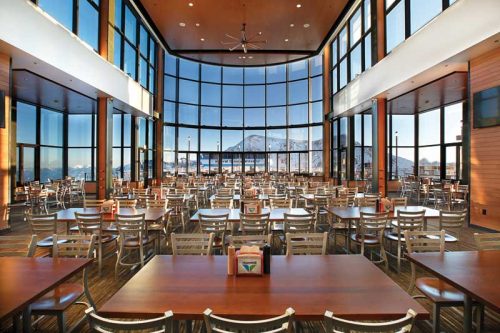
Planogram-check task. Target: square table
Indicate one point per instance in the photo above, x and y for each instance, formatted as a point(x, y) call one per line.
point(23, 280)
point(350, 286)
point(475, 273)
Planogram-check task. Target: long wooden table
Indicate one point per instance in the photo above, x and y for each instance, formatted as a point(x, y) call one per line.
point(23, 280)
point(277, 214)
point(475, 273)
point(350, 286)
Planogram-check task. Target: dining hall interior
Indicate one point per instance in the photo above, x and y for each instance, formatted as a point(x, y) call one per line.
point(249, 166)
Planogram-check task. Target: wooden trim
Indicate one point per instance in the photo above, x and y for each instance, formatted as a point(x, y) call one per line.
point(5, 85)
point(326, 110)
point(380, 29)
point(104, 37)
point(159, 122)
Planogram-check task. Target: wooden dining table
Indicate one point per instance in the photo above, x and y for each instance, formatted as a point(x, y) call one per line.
point(152, 215)
point(349, 286)
point(276, 215)
point(23, 280)
point(475, 273)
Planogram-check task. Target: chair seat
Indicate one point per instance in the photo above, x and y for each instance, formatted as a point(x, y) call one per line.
point(108, 238)
point(134, 242)
point(339, 226)
point(393, 236)
point(439, 291)
point(49, 242)
point(369, 239)
point(447, 238)
point(155, 227)
point(58, 299)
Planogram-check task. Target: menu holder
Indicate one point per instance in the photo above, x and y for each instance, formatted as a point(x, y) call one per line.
point(252, 208)
point(249, 261)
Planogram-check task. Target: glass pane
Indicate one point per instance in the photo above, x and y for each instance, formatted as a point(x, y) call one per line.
point(204, 163)
point(118, 12)
point(188, 139)
point(282, 162)
point(188, 114)
point(367, 164)
point(367, 129)
point(317, 112)
point(141, 132)
point(169, 112)
point(88, 24)
point(255, 95)
point(80, 130)
point(210, 116)
point(170, 64)
point(117, 130)
point(130, 25)
point(51, 164)
point(358, 167)
point(210, 140)
point(182, 163)
point(276, 140)
point(232, 140)
point(117, 57)
point(355, 62)
point(232, 117)
point(214, 163)
point(210, 73)
point(237, 162)
point(272, 162)
point(343, 42)
point(453, 123)
point(127, 163)
point(388, 3)
point(297, 138)
point(422, 11)
point(367, 17)
point(169, 138)
point(276, 116)
point(255, 117)
point(26, 123)
point(170, 89)
point(232, 75)
point(298, 114)
point(232, 95)
point(298, 92)
point(395, 26)
point(304, 163)
point(317, 88)
point(451, 162)
point(355, 27)
point(169, 162)
point(188, 69)
point(404, 125)
point(130, 61)
point(357, 130)
point(51, 128)
point(316, 140)
point(127, 128)
point(255, 75)
point(429, 128)
point(28, 164)
point(297, 70)
point(276, 94)
point(343, 74)
point(429, 162)
point(334, 46)
point(316, 162)
point(276, 73)
point(80, 163)
point(317, 65)
point(260, 162)
point(368, 51)
point(61, 10)
point(254, 140)
point(143, 72)
point(294, 162)
point(210, 94)
point(143, 40)
point(343, 132)
point(188, 91)
point(335, 87)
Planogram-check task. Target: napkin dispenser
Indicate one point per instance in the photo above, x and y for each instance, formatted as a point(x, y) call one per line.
point(249, 261)
point(108, 207)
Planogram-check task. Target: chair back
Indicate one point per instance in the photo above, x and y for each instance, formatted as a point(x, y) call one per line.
point(410, 220)
point(127, 203)
point(254, 224)
point(338, 325)
point(250, 240)
point(216, 224)
point(131, 226)
point(104, 325)
point(225, 191)
point(295, 223)
point(339, 202)
point(77, 246)
point(372, 224)
point(280, 202)
point(283, 323)
point(367, 201)
point(424, 241)
point(156, 203)
point(452, 219)
point(400, 201)
point(92, 203)
point(89, 224)
point(43, 224)
point(17, 246)
point(489, 241)
point(309, 243)
point(219, 202)
point(192, 244)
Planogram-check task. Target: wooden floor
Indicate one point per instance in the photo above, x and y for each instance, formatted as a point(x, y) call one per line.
point(103, 287)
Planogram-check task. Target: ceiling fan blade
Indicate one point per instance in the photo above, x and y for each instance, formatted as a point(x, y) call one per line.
point(234, 47)
point(232, 37)
point(253, 46)
point(258, 41)
point(229, 43)
point(244, 45)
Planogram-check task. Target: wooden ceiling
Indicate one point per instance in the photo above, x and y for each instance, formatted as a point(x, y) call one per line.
point(306, 29)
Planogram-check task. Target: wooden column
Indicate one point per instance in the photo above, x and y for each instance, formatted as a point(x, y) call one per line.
point(105, 146)
point(326, 109)
point(106, 16)
point(379, 155)
point(5, 84)
point(380, 29)
point(159, 121)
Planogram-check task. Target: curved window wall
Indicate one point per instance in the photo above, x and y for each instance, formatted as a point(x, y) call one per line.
point(243, 119)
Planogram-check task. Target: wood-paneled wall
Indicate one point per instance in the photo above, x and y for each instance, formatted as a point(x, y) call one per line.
point(485, 148)
point(4, 142)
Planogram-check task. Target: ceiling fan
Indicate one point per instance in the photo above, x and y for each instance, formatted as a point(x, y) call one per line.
point(244, 42)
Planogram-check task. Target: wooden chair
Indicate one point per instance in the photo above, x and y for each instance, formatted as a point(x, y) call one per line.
point(489, 241)
point(309, 243)
point(412, 221)
point(132, 236)
point(219, 202)
point(338, 325)
point(192, 244)
point(367, 201)
point(254, 224)
point(44, 227)
point(127, 203)
point(225, 191)
point(216, 224)
point(440, 293)
point(159, 227)
point(399, 201)
point(93, 203)
point(370, 234)
point(177, 217)
point(250, 240)
point(283, 323)
point(58, 300)
point(17, 246)
point(97, 323)
point(320, 205)
point(281, 202)
point(337, 226)
point(452, 223)
point(91, 224)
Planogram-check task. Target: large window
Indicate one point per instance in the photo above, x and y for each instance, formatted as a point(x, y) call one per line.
point(81, 152)
point(80, 16)
point(351, 48)
point(122, 146)
point(237, 119)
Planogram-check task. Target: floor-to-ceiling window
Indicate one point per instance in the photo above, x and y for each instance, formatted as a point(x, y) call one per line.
point(81, 146)
point(243, 119)
point(122, 146)
point(363, 146)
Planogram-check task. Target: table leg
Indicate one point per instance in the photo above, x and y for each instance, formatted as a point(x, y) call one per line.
point(175, 327)
point(467, 314)
point(348, 238)
point(27, 319)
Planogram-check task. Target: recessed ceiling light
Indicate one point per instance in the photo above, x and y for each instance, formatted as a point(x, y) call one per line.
point(202, 39)
point(250, 57)
point(182, 24)
point(190, 4)
point(299, 5)
point(292, 25)
point(306, 25)
point(197, 24)
point(286, 39)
